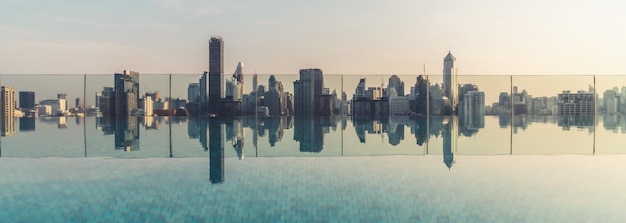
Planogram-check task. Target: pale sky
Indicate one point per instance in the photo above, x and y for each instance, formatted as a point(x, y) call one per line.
point(340, 37)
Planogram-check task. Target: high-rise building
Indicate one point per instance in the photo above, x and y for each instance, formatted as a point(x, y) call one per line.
point(612, 102)
point(63, 96)
point(193, 92)
point(450, 80)
point(397, 84)
point(216, 71)
point(147, 106)
point(474, 109)
point(6, 111)
point(27, 99)
point(255, 83)
point(234, 86)
point(204, 93)
point(310, 84)
point(580, 103)
point(126, 92)
point(106, 101)
point(79, 103)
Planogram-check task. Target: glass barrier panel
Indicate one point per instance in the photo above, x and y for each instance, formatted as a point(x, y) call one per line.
point(553, 114)
point(611, 115)
point(484, 115)
point(46, 117)
point(129, 115)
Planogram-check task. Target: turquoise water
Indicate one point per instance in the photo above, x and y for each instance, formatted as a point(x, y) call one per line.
point(323, 170)
point(567, 188)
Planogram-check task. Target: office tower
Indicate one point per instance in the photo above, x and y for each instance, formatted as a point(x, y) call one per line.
point(147, 106)
point(420, 103)
point(27, 99)
point(273, 97)
point(612, 102)
point(126, 92)
point(234, 86)
point(204, 93)
point(474, 109)
point(79, 103)
point(255, 83)
point(106, 101)
point(193, 92)
point(63, 96)
point(397, 84)
point(359, 92)
point(271, 83)
point(98, 96)
point(450, 80)
point(216, 70)
point(310, 84)
point(6, 111)
point(238, 75)
point(580, 103)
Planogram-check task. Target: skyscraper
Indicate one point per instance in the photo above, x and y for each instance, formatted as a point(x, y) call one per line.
point(449, 80)
point(193, 92)
point(216, 70)
point(6, 111)
point(397, 84)
point(204, 93)
point(27, 99)
point(126, 92)
point(474, 109)
point(310, 85)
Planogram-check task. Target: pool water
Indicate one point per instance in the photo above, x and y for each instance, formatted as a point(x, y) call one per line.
point(401, 188)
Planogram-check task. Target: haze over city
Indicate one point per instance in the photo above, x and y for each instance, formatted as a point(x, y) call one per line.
point(346, 37)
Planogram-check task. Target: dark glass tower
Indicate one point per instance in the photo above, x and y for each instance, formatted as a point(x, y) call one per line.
point(27, 99)
point(216, 69)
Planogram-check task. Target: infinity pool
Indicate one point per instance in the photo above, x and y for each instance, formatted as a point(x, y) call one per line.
point(401, 188)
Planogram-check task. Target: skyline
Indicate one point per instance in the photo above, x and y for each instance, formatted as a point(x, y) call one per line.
point(537, 86)
point(169, 36)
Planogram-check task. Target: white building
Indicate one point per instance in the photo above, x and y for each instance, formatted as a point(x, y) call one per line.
point(474, 108)
point(58, 105)
point(43, 110)
point(6, 111)
point(398, 105)
point(147, 106)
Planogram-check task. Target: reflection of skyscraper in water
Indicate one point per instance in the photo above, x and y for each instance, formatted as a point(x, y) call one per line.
point(234, 134)
point(450, 134)
point(360, 126)
point(126, 133)
point(62, 122)
point(27, 124)
point(395, 131)
point(473, 112)
point(309, 132)
point(419, 130)
point(504, 119)
point(194, 127)
point(216, 150)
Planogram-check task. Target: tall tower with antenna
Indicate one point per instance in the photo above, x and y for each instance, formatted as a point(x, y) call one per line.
point(450, 80)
